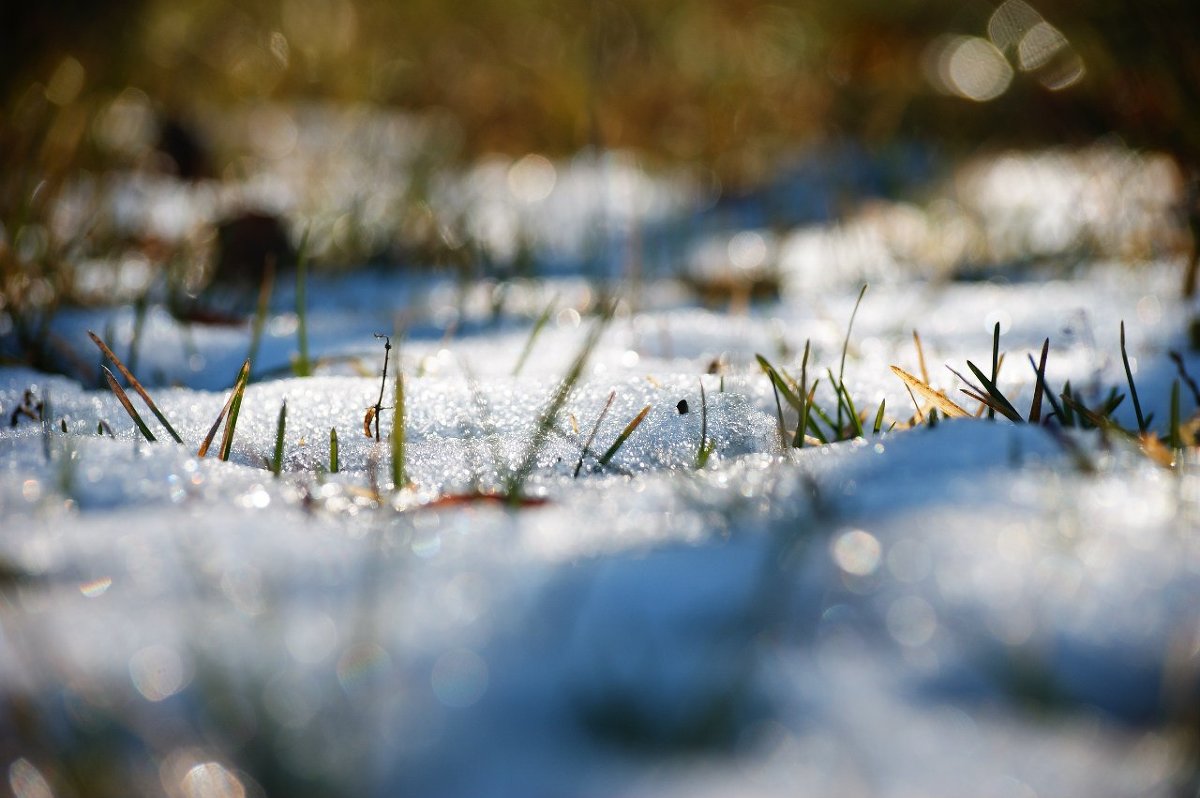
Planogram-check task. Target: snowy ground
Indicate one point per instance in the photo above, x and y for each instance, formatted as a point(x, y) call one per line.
point(935, 612)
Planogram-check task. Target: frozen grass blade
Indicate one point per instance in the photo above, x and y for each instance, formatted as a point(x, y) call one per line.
point(302, 367)
point(706, 448)
point(533, 335)
point(1000, 403)
point(334, 465)
point(399, 436)
point(260, 310)
point(1068, 413)
point(1137, 406)
point(847, 404)
point(235, 406)
point(549, 416)
point(1035, 407)
point(995, 366)
point(931, 394)
point(805, 399)
point(592, 435)
point(133, 383)
point(879, 417)
point(123, 398)
point(846, 346)
point(779, 416)
point(624, 436)
point(280, 431)
point(239, 385)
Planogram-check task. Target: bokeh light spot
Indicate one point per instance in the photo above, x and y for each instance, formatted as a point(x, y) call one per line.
point(857, 552)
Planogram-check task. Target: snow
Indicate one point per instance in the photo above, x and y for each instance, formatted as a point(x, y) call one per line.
point(940, 611)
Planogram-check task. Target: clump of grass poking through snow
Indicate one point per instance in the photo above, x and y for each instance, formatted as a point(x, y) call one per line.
point(1069, 410)
point(514, 484)
point(235, 398)
point(137, 386)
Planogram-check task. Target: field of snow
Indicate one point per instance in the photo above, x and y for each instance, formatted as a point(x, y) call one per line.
point(973, 608)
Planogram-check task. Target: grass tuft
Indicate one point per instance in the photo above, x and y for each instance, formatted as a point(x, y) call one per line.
point(548, 418)
point(133, 383)
point(939, 400)
point(123, 398)
point(243, 375)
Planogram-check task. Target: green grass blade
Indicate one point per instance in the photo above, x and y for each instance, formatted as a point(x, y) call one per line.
point(334, 465)
point(780, 383)
point(879, 417)
point(235, 406)
point(399, 436)
point(808, 422)
point(779, 415)
point(995, 365)
point(624, 436)
point(533, 334)
point(846, 344)
point(705, 448)
point(1039, 387)
point(133, 383)
point(1002, 403)
point(302, 366)
point(592, 435)
point(1137, 406)
point(1068, 416)
point(123, 398)
point(803, 413)
point(280, 431)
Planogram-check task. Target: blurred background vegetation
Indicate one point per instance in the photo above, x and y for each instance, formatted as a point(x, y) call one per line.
point(192, 89)
point(734, 83)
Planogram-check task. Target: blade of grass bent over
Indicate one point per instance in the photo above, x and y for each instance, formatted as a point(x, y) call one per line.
point(624, 436)
point(133, 383)
point(123, 398)
point(939, 399)
point(1002, 403)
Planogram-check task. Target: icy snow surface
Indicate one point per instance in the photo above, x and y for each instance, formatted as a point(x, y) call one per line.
point(936, 612)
